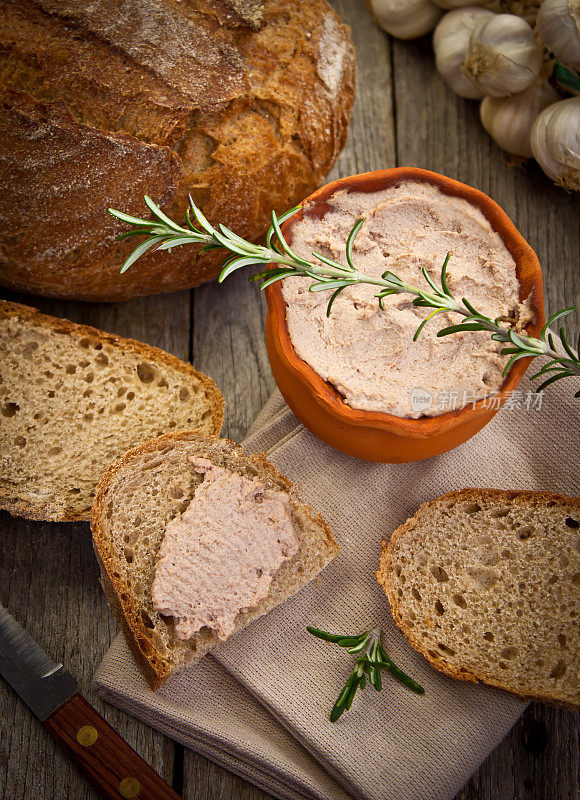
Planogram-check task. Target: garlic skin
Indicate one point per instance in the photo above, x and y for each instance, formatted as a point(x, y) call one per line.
point(559, 28)
point(509, 120)
point(555, 141)
point(503, 57)
point(405, 19)
point(528, 9)
point(451, 42)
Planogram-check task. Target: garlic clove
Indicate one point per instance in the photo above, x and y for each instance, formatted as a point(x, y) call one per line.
point(559, 28)
point(451, 42)
point(509, 120)
point(405, 19)
point(503, 56)
point(555, 141)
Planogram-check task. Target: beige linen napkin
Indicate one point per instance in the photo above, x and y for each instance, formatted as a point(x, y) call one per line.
point(259, 705)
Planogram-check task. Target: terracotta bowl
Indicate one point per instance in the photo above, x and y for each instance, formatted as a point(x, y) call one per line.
point(377, 436)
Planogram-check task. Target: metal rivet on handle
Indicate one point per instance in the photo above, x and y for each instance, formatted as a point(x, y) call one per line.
point(129, 787)
point(87, 735)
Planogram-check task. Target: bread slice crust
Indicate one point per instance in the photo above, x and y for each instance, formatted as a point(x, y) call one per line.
point(31, 320)
point(392, 565)
point(150, 637)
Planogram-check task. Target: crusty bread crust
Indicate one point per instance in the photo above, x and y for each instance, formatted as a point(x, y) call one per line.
point(387, 579)
point(152, 661)
point(245, 105)
point(23, 508)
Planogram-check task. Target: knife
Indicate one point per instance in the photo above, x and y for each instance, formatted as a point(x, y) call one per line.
point(51, 693)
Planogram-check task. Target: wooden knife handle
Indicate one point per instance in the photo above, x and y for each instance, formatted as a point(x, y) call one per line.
point(114, 768)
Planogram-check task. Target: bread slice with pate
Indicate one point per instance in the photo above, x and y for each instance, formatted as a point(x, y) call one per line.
point(183, 549)
point(486, 585)
point(73, 399)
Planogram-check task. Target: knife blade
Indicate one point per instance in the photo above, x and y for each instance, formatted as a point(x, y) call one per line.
point(51, 692)
point(43, 684)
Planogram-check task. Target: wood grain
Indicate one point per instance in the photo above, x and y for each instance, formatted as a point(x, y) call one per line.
point(403, 115)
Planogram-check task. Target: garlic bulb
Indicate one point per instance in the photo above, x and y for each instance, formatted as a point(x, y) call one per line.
point(503, 56)
point(509, 120)
point(405, 19)
point(450, 42)
point(559, 27)
point(555, 142)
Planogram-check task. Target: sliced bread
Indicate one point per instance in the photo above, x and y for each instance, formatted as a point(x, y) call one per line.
point(73, 399)
point(486, 585)
point(138, 496)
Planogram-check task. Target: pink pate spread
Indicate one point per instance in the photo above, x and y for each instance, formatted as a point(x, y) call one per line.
point(219, 556)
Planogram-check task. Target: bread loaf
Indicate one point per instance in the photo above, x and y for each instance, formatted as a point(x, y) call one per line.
point(243, 103)
point(73, 399)
point(138, 496)
point(486, 585)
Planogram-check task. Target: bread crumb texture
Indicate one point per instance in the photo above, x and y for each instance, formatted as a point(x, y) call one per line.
point(73, 399)
point(136, 500)
point(486, 585)
point(244, 104)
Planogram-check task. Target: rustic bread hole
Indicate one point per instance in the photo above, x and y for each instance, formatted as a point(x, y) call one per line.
point(9, 409)
point(433, 654)
point(525, 533)
point(439, 574)
point(50, 393)
point(449, 650)
point(183, 395)
point(84, 363)
point(147, 621)
point(497, 513)
point(552, 580)
point(162, 384)
point(20, 441)
point(121, 391)
point(54, 451)
point(459, 600)
point(502, 665)
point(488, 636)
point(70, 369)
point(561, 640)
point(29, 348)
point(177, 493)
point(129, 555)
point(559, 670)
point(76, 490)
point(85, 343)
point(439, 608)
point(89, 377)
point(101, 359)
point(416, 594)
point(130, 395)
point(572, 523)
point(118, 408)
point(146, 372)
point(576, 579)
point(509, 652)
point(472, 508)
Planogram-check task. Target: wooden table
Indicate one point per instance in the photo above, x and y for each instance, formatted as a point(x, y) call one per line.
point(404, 115)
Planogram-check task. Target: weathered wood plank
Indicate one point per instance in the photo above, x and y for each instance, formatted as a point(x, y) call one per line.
point(49, 581)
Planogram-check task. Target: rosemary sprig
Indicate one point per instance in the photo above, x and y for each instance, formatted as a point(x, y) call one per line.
point(330, 275)
point(370, 662)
